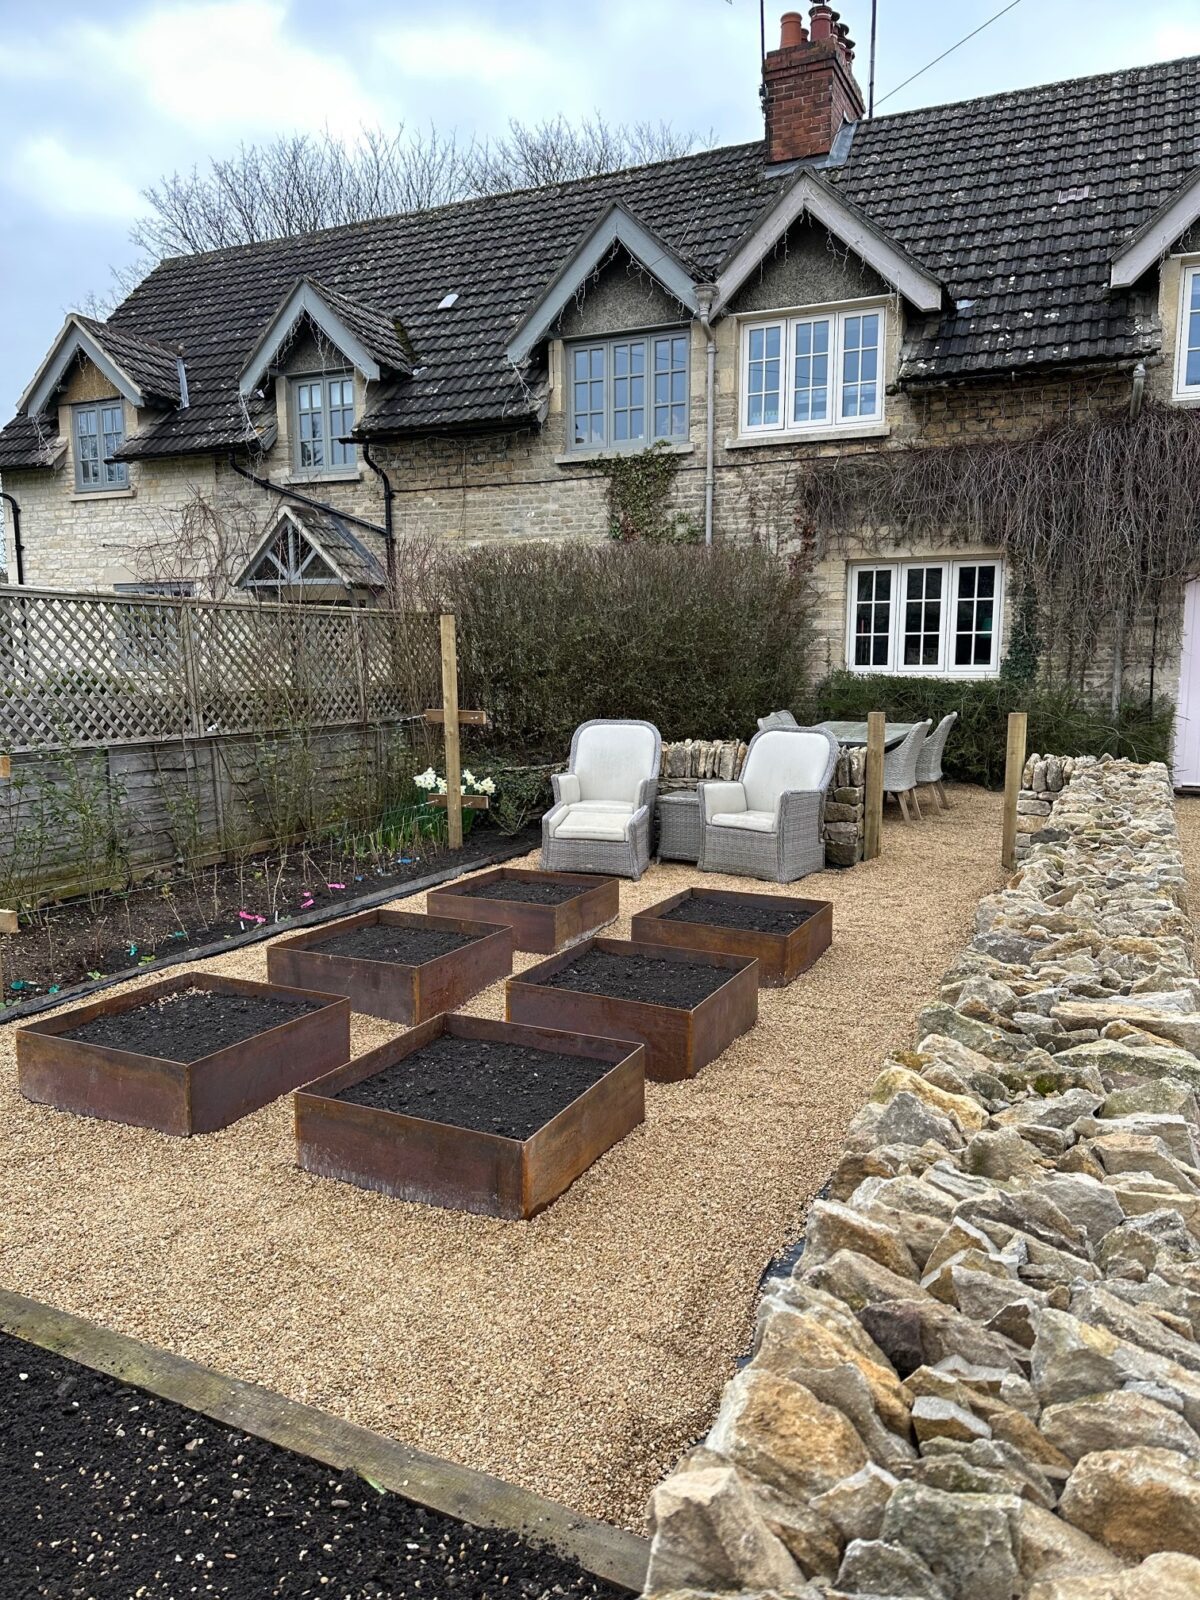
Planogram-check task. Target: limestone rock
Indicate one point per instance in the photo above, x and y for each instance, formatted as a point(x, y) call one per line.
point(877, 1567)
point(897, 1077)
point(1159, 1577)
point(967, 1541)
point(1049, 1548)
point(796, 1345)
point(1002, 1154)
point(855, 1506)
point(779, 1433)
point(833, 1227)
point(1136, 1501)
point(1117, 1421)
point(945, 1419)
point(707, 1532)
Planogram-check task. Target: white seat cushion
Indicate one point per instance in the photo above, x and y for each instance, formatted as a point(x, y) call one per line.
point(612, 758)
point(601, 805)
point(757, 821)
point(594, 822)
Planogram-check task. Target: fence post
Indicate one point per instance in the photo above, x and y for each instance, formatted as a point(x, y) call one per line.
point(193, 708)
point(873, 814)
point(450, 708)
point(1014, 766)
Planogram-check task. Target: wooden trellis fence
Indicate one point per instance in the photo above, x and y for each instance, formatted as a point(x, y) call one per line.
point(80, 670)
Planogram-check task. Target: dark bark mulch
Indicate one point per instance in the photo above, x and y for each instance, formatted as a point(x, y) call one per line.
point(382, 941)
point(524, 892)
point(190, 1023)
point(110, 1493)
point(731, 914)
point(499, 1088)
point(661, 983)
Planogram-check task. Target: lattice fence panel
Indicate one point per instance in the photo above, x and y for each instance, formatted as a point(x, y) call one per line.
point(80, 670)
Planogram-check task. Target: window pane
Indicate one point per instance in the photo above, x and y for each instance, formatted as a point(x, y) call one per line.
point(629, 391)
point(921, 642)
point(810, 402)
point(974, 615)
point(588, 399)
point(112, 435)
point(762, 377)
point(309, 426)
point(1191, 354)
point(860, 364)
point(341, 420)
point(670, 387)
point(872, 617)
point(87, 448)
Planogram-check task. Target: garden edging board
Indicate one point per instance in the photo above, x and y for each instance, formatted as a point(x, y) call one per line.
point(608, 1552)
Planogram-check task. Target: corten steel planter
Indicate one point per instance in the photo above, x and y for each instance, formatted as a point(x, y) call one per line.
point(397, 990)
point(780, 956)
point(543, 929)
point(679, 1041)
point(176, 1096)
point(437, 1164)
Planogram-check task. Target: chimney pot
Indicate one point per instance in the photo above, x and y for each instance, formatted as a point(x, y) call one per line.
point(809, 90)
point(792, 30)
point(821, 23)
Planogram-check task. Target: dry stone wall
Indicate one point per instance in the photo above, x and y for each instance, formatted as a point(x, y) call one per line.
point(981, 1381)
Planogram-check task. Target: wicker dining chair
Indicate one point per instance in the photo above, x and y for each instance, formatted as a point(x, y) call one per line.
point(929, 761)
point(770, 824)
point(777, 719)
point(900, 768)
point(603, 803)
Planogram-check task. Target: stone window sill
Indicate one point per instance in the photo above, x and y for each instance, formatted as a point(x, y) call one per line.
point(81, 495)
point(571, 458)
point(751, 441)
point(299, 478)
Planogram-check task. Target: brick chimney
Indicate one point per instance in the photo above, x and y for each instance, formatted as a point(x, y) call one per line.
point(808, 86)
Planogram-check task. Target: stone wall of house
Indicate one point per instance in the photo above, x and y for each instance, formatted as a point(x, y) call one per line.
point(981, 1379)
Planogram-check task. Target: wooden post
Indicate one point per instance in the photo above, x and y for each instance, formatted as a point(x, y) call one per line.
point(450, 709)
point(873, 817)
point(1014, 766)
point(8, 919)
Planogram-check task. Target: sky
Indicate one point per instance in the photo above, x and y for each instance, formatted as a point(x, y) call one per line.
point(99, 101)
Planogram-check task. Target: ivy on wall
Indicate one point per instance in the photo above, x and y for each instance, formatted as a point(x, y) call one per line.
point(638, 498)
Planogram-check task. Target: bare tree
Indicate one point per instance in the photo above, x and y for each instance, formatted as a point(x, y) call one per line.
point(300, 183)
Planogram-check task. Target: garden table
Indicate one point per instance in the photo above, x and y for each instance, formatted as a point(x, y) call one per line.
point(855, 733)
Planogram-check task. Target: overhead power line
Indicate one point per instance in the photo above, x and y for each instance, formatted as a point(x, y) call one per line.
point(1011, 6)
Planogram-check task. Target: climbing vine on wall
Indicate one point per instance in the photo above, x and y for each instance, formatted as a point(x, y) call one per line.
point(638, 497)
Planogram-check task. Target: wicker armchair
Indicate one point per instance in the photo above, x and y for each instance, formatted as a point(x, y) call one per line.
point(900, 768)
point(777, 719)
point(600, 820)
point(929, 762)
point(771, 823)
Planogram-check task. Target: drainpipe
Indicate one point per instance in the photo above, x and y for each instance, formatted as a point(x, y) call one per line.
point(287, 493)
point(1137, 392)
point(18, 547)
point(389, 527)
point(705, 295)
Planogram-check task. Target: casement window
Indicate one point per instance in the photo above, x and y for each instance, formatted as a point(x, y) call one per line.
point(625, 394)
point(823, 370)
point(99, 431)
point(1187, 361)
point(323, 416)
point(934, 617)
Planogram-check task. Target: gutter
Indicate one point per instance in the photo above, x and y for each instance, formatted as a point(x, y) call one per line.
point(389, 525)
point(18, 547)
point(286, 493)
point(706, 293)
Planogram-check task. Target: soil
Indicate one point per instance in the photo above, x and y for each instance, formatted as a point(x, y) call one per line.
point(492, 1087)
point(84, 940)
point(525, 892)
point(736, 914)
point(660, 983)
point(385, 941)
point(110, 1492)
point(190, 1023)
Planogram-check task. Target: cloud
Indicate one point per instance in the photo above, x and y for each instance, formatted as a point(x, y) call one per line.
point(69, 182)
point(1172, 39)
point(457, 52)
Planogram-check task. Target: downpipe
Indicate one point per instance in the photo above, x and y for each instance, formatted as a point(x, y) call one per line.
point(705, 295)
point(18, 547)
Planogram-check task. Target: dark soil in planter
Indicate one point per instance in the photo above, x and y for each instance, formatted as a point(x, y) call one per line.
point(659, 983)
point(479, 1083)
point(729, 914)
point(191, 1023)
point(109, 1492)
point(383, 941)
point(532, 894)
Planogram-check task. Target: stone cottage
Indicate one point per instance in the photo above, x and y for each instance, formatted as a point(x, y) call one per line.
point(273, 418)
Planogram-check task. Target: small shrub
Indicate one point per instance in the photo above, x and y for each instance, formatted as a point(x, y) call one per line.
point(1061, 721)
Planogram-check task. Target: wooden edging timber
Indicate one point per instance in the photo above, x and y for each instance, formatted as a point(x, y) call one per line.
point(611, 1553)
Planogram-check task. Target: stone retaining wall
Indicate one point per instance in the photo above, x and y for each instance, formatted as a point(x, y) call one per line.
point(1043, 779)
point(690, 761)
point(982, 1379)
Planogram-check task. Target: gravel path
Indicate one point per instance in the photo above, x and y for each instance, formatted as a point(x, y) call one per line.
point(577, 1354)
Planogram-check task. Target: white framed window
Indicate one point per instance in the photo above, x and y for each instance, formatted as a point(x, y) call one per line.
point(627, 393)
point(940, 618)
point(821, 369)
point(99, 432)
point(1187, 356)
point(322, 418)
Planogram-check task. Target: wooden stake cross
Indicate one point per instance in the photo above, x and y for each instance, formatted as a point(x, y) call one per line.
point(452, 718)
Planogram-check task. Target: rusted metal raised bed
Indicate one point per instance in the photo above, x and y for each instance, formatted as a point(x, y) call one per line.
point(679, 1041)
point(397, 990)
point(541, 928)
point(781, 956)
point(180, 1097)
point(436, 1163)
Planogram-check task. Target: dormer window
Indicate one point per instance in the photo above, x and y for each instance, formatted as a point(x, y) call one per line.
point(99, 433)
point(626, 394)
point(1187, 365)
point(822, 369)
point(323, 420)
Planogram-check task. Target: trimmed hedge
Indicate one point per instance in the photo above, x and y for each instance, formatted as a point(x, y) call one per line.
point(1061, 721)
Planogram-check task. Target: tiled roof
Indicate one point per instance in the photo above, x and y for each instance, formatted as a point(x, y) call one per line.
point(153, 367)
point(344, 548)
point(1015, 202)
point(373, 327)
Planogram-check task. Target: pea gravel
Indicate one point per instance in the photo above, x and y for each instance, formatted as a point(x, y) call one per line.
point(577, 1354)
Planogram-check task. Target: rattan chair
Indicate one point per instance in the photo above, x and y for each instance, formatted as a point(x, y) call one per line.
point(600, 820)
point(900, 768)
point(777, 719)
point(929, 762)
point(770, 824)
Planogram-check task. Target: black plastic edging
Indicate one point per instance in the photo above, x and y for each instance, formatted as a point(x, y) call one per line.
point(239, 941)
